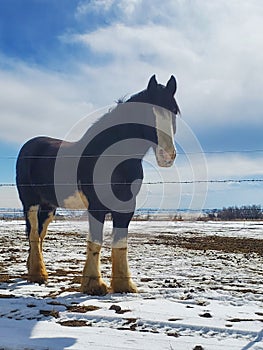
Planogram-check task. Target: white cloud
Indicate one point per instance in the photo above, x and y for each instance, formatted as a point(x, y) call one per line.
point(34, 102)
point(124, 9)
point(215, 49)
point(203, 195)
point(227, 166)
point(9, 198)
point(87, 7)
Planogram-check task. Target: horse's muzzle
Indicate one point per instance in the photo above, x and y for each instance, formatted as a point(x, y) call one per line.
point(165, 158)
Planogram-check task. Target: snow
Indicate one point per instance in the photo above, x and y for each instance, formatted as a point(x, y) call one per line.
point(187, 297)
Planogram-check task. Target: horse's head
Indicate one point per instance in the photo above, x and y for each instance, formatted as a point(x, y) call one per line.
point(163, 109)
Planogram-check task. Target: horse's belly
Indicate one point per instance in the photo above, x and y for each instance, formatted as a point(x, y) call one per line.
point(77, 200)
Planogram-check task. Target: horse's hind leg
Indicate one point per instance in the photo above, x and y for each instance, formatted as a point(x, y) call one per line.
point(45, 217)
point(35, 264)
point(37, 222)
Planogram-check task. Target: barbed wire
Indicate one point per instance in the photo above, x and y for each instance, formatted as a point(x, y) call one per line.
point(184, 182)
point(126, 155)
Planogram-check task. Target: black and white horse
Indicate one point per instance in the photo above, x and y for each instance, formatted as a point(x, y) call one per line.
point(101, 172)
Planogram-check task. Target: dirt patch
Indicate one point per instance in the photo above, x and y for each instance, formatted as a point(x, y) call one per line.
point(118, 309)
point(48, 313)
point(225, 244)
point(5, 278)
point(75, 323)
point(245, 320)
point(82, 308)
point(7, 296)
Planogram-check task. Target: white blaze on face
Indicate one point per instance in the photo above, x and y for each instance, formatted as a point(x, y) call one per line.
point(165, 150)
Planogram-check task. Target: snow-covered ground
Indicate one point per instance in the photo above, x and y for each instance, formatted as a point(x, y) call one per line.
point(190, 297)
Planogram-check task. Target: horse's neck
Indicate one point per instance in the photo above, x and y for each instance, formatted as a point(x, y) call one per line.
point(117, 131)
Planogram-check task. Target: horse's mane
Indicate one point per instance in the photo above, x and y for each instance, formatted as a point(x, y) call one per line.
point(101, 119)
point(141, 96)
point(138, 97)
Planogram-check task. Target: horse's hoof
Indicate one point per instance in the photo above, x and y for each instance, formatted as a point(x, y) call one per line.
point(94, 286)
point(123, 285)
point(37, 279)
point(37, 272)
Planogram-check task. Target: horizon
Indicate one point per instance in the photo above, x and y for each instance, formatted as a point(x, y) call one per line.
point(60, 210)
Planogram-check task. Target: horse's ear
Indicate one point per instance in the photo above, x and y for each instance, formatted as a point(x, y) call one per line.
point(152, 83)
point(171, 86)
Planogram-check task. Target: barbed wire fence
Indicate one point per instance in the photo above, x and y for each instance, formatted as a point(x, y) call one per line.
point(234, 180)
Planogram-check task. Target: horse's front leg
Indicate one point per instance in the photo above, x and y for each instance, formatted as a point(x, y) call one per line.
point(121, 281)
point(92, 283)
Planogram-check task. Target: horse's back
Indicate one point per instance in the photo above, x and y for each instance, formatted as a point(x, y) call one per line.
point(38, 146)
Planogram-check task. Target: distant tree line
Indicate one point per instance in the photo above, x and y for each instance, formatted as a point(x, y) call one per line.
point(246, 212)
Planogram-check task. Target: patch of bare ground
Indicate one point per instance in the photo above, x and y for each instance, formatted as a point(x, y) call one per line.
point(244, 320)
point(6, 296)
point(75, 323)
point(82, 308)
point(47, 313)
point(4, 278)
point(225, 244)
point(63, 272)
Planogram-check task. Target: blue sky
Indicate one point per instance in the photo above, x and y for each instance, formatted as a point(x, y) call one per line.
point(61, 60)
